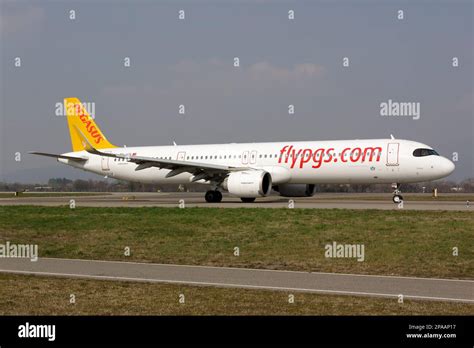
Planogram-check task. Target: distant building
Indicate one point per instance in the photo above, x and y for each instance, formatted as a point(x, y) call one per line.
point(43, 188)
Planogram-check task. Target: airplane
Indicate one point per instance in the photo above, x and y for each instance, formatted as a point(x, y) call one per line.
point(252, 170)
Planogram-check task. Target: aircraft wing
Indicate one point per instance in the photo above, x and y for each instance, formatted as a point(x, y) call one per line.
point(201, 171)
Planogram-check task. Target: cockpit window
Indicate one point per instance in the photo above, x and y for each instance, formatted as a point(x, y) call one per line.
point(424, 152)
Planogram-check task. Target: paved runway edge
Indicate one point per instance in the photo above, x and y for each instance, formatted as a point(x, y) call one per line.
point(148, 199)
point(324, 283)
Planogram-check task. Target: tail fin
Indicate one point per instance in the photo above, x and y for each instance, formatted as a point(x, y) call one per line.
point(79, 119)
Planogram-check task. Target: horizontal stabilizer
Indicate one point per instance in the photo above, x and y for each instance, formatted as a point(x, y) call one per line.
point(79, 159)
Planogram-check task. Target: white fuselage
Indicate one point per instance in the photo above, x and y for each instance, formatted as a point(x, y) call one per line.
point(314, 162)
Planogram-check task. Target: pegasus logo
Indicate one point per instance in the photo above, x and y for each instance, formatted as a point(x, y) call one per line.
point(91, 129)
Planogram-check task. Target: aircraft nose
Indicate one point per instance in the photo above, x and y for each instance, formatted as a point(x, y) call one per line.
point(448, 166)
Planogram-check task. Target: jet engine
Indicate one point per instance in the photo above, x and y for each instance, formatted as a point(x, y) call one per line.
point(248, 184)
point(296, 190)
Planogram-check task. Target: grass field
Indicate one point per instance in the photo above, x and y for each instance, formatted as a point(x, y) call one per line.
point(50, 296)
point(409, 243)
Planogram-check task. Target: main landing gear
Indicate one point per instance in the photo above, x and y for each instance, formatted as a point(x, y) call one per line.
point(248, 199)
point(213, 196)
point(397, 197)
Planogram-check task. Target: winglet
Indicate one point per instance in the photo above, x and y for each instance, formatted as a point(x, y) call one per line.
point(91, 149)
point(85, 143)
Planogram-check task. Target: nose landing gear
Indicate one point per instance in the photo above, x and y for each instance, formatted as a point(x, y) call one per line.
point(397, 197)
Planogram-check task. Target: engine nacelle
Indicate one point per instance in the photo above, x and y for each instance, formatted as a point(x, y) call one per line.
point(248, 184)
point(296, 190)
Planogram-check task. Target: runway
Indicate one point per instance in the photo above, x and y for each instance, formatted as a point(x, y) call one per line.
point(196, 199)
point(324, 283)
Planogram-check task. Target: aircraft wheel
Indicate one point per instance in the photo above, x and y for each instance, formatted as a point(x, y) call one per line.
point(210, 196)
point(248, 200)
point(397, 199)
point(213, 196)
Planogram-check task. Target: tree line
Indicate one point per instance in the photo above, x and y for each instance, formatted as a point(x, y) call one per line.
point(112, 185)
